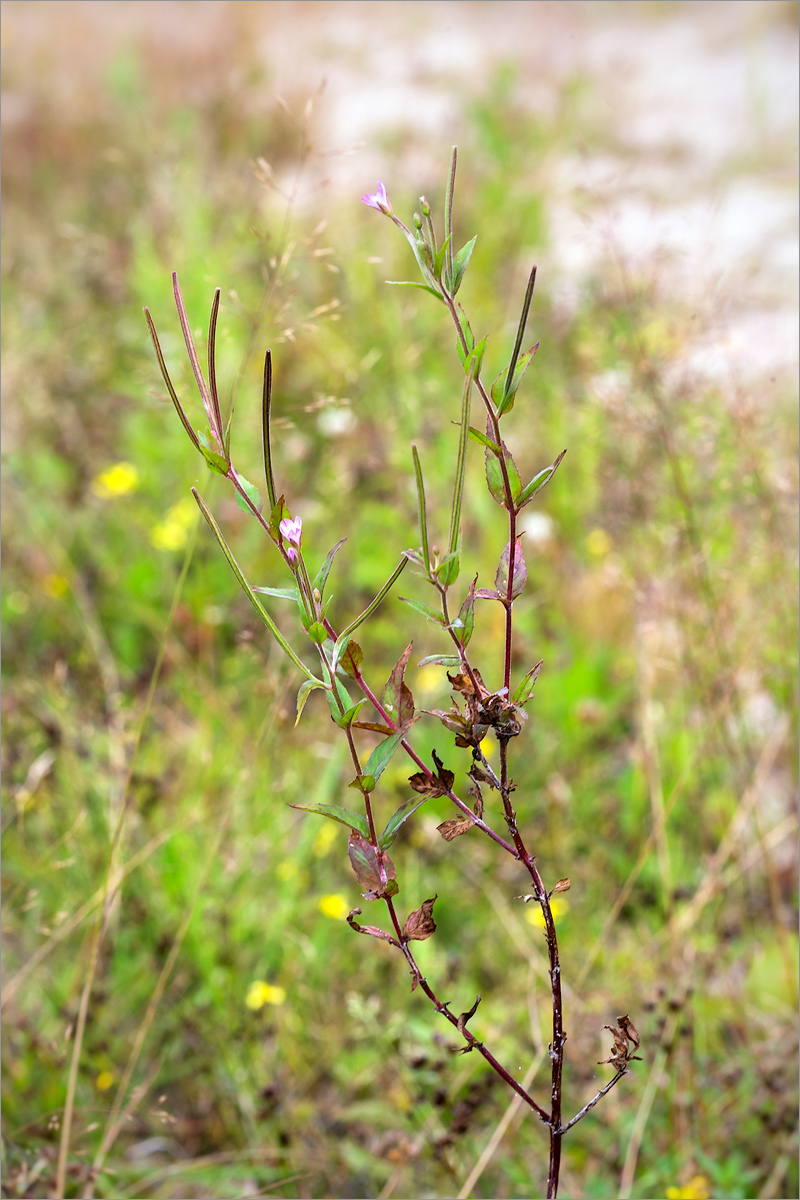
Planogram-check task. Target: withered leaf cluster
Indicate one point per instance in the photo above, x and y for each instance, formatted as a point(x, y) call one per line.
point(483, 710)
point(433, 785)
point(626, 1042)
point(455, 826)
point(420, 924)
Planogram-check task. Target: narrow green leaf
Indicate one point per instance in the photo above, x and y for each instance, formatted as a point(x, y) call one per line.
point(524, 689)
point(317, 632)
point(509, 391)
point(539, 481)
point(306, 689)
point(440, 660)
point(448, 569)
point(412, 283)
point(448, 217)
point(214, 459)
point(382, 755)
point(347, 718)
point(248, 591)
point(483, 440)
point(424, 610)
point(343, 815)
point(277, 514)
point(339, 703)
point(280, 593)
point(401, 815)
point(253, 494)
point(438, 261)
point(466, 614)
point(321, 577)
point(461, 262)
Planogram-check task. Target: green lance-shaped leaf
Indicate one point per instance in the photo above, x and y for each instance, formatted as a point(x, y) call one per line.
point(383, 753)
point(539, 481)
point(341, 641)
point(406, 810)
point(165, 375)
point(412, 283)
point(448, 569)
point(464, 623)
point(458, 487)
point(277, 514)
point(266, 408)
point(460, 264)
point(503, 393)
point(306, 688)
point(425, 610)
point(347, 718)
point(523, 321)
point(280, 593)
point(251, 595)
point(321, 577)
point(253, 494)
point(520, 571)
point(494, 475)
point(343, 815)
point(440, 660)
point(373, 867)
point(438, 261)
point(397, 698)
point(483, 440)
point(214, 459)
point(524, 689)
point(421, 508)
point(339, 701)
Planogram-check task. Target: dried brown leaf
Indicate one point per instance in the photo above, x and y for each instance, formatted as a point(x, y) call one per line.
point(420, 924)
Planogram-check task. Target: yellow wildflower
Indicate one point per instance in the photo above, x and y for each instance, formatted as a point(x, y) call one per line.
point(598, 543)
point(173, 532)
point(118, 480)
point(558, 906)
point(335, 907)
point(324, 840)
point(104, 1081)
point(55, 586)
point(260, 993)
point(695, 1189)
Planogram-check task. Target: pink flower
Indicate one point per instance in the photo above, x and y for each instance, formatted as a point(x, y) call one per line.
point(378, 200)
point(292, 530)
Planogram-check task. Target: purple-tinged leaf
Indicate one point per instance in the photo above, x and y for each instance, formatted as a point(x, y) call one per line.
point(520, 577)
point(278, 513)
point(494, 474)
point(370, 930)
point(375, 727)
point(465, 621)
point(397, 698)
point(373, 868)
point(352, 658)
point(343, 815)
point(488, 594)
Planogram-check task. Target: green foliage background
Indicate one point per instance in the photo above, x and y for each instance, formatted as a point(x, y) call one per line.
point(662, 598)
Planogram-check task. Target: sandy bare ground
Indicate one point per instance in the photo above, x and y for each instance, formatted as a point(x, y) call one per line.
point(697, 185)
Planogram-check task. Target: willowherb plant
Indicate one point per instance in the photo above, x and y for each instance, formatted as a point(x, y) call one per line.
point(477, 708)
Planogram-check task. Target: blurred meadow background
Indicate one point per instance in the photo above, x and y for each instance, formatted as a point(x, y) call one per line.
point(237, 1038)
